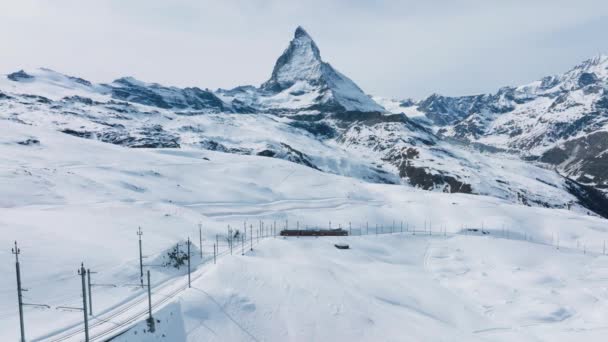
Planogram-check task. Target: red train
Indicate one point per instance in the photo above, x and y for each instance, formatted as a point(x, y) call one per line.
point(314, 232)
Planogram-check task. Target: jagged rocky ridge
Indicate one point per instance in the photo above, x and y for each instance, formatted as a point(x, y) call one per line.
point(306, 113)
point(561, 120)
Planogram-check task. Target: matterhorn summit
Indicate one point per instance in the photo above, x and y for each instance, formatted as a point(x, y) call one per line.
point(302, 80)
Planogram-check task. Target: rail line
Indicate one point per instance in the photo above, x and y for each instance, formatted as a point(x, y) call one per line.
point(126, 323)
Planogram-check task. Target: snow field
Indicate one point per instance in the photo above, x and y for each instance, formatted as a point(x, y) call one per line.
point(70, 200)
point(393, 288)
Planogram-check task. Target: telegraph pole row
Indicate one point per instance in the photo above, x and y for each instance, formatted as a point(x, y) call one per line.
point(90, 286)
point(17, 251)
point(150, 318)
point(188, 262)
point(83, 273)
point(141, 262)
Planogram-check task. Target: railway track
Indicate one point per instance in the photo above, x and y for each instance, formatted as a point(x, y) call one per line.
point(124, 323)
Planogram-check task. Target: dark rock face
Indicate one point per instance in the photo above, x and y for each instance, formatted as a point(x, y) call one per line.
point(368, 118)
point(589, 197)
point(443, 110)
point(29, 142)
point(146, 137)
point(20, 76)
point(80, 81)
point(37, 98)
point(585, 159)
point(319, 129)
point(128, 89)
point(279, 151)
point(215, 146)
point(587, 78)
point(422, 177)
point(79, 99)
point(286, 152)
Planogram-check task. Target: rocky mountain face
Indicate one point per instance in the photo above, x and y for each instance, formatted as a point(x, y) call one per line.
point(560, 120)
point(309, 113)
point(302, 84)
point(193, 99)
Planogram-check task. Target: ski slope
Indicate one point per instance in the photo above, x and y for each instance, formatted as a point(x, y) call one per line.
point(68, 200)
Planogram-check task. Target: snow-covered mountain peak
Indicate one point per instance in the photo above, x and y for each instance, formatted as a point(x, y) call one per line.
point(50, 84)
point(589, 72)
point(45, 75)
point(300, 61)
point(302, 79)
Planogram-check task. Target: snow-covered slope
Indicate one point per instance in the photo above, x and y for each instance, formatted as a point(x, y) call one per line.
point(392, 288)
point(374, 147)
point(67, 200)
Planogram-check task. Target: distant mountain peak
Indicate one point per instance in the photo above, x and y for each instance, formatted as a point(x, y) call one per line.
point(300, 61)
point(301, 32)
point(300, 70)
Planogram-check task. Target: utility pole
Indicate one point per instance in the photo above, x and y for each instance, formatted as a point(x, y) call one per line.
point(243, 244)
point(350, 229)
point(214, 252)
point(150, 319)
point(200, 239)
point(189, 262)
point(90, 295)
point(83, 273)
point(230, 238)
point(90, 288)
point(217, 244)
point(141, 262)
point(251, 236)
point(17, 251)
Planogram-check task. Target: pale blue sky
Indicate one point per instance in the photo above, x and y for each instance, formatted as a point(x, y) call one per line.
point(390, 48)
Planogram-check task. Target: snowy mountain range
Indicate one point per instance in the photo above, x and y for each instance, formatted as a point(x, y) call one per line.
point(560, 120)
point(311, 114)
